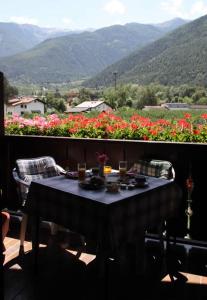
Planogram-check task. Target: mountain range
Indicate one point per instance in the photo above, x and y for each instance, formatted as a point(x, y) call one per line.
point(69, 55)
point(16, 38)
point(178, 58)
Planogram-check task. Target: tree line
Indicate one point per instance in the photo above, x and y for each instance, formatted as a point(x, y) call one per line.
point(124, 95)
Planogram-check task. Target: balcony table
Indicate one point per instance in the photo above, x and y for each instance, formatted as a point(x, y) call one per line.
point(111, 219)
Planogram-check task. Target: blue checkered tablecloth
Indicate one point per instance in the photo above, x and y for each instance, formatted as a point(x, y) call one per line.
point(110, 218)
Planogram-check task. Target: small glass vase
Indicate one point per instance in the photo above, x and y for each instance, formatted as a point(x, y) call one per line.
point(101, 170)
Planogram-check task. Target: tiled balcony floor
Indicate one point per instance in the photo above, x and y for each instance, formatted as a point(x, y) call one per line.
point(63, 274)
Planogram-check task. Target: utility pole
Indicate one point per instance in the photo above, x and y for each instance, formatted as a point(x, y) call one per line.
point(115, 75)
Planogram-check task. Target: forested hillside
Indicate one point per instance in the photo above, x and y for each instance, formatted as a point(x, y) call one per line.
point(178, 58)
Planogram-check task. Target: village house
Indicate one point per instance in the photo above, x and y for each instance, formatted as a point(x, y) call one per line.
point(176, 106)
point(88, 106)
point(23, 105)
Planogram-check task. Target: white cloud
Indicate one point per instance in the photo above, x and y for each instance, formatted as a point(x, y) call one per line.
point(199, 8)
point(115, 7)
point(67, 22)
point(23, 20)
point(173, 7)
point(176, 8)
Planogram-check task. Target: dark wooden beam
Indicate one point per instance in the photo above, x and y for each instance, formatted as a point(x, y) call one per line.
point(1, 104)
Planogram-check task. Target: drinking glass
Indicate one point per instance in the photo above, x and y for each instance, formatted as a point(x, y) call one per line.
point(81, 171)
point(107, 170)
point(122, 168)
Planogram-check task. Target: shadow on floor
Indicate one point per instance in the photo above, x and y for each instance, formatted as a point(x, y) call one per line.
point(62, 275)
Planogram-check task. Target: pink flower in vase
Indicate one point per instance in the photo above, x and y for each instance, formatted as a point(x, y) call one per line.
point(102, 158)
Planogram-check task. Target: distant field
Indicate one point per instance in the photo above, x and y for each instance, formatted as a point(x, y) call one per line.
point(155, 114)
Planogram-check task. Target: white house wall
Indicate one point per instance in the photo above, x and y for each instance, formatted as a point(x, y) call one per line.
point(27, 108)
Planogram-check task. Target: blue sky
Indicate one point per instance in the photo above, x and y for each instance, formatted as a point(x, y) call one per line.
point(82, 14)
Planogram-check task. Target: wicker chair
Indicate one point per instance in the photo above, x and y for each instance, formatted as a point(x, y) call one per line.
point(27, 170)
point(162, 169)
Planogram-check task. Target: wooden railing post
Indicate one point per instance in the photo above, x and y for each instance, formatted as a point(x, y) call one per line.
point(1, 104)
point(1, 135)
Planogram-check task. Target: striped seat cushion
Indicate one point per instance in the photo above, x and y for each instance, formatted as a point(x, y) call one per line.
point(36, 168)
point(155, 168)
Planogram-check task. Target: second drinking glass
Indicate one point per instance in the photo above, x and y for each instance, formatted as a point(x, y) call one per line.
point(122, 168)
point(81, 171)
